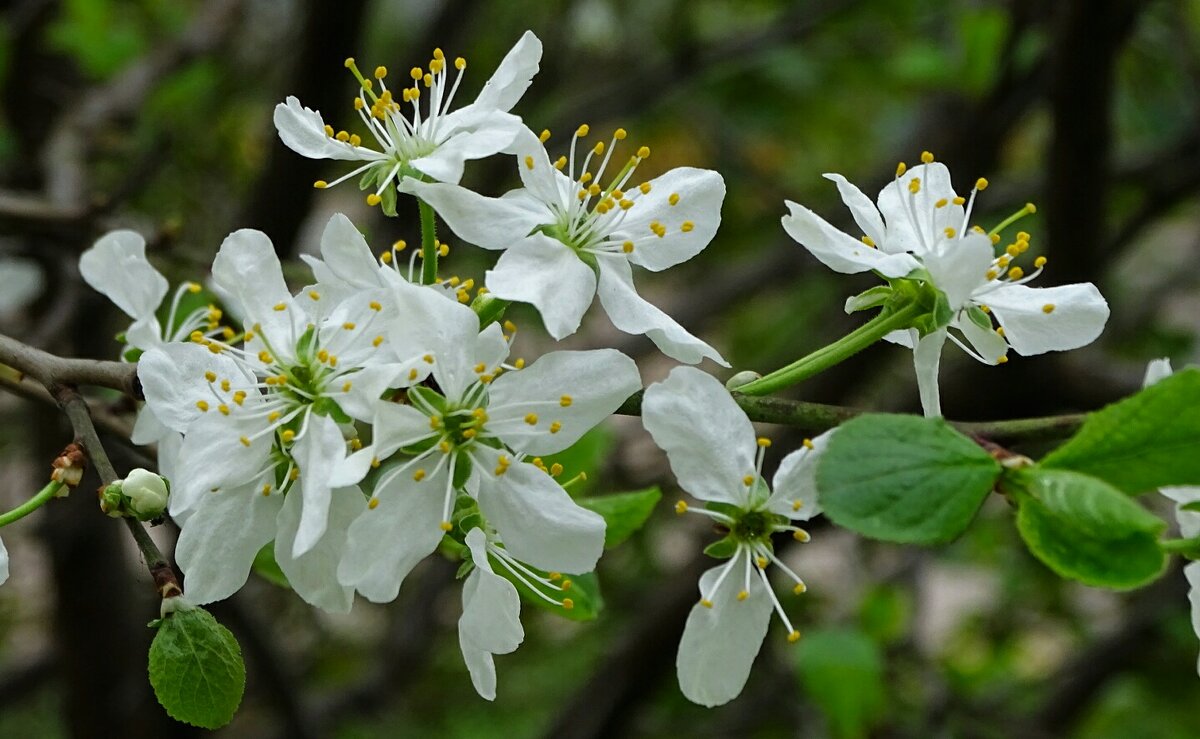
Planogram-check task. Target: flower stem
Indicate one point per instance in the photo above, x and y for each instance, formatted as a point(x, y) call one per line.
point(32, 504)
point(840, 350)
point(1189, 548)
point(429, 245)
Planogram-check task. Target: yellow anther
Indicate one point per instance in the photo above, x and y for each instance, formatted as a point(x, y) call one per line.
point(793, 637)
point(643, 152)
point(281, 306)
point(554, 576)
point(294, 474)
point(359, 104)
point(314, 294)
point(914, 185)
point(992, 274)
point(323, 356)
point(346, 386)
point(266, 489)
point(375, 462)
point(439, 54)
point(565, 401)
point(797, 505)
point(356, 444)
point(644, 188)
point(1016, 273)
point(743, 595)
point(486, 379)
point(374, 199)
point(520, 363)
point(413, 374)
point(1002, 360)
point(566, 585)
point(510, 327)
point(1012, 250)
point(625, 203)
point(428, 79)
point(543, 137)
point(273, 416)
point(981, 184)
point(941, 203)
point(1003, 261)
point(373, 504)
point(985, 309)
point(446, 526)
point(443, 249)
point(419, 475)
point(460, 64)
point(239, 397)
point(1023, 236)
point(375, 306)
point(215, 348)
point(869, 241)
point(1048, 308)
point(1039, 262)
point(927, 157)
point(560, 163)
point(349, 63)
point(1000, 331)
point(355, 139)
point(555, 427)
point(210, 376)
point(800, 588)
point(681, 507)
point(807, 444)
point(529, 162)
point(202, 405)
point(761, 562)
point(556, 469)
point(706, 602)
point(343, 136)
point(658, 229)
point(748, 480)
point(582, 130)
point(627, 247)
point(224, 409)
point(245, 441)
point(416, 73)
point(901, 168)
point(1030, 208)
point(435, 422)
point(197, 336)
point(687, 226)
point(568, 604)
point(598, 149)
point(531, 419)
point(764, 442)
point(593, 189)
point(959, 200)
point(288, 436)
point(801, 535)
point(320, 184)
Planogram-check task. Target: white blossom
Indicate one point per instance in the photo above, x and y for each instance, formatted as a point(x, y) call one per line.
point(20, 282)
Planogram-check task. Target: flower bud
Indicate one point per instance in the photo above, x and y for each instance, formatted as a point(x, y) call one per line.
point(111, 500)
point(146, 492)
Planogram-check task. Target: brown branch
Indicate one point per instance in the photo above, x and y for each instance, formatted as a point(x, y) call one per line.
point(51, 370)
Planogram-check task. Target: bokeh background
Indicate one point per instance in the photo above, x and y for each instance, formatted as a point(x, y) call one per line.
point(155, 115)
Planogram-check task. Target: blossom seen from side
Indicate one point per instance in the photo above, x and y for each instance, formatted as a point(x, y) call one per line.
point(491, 619)
point(577, 227)
point(922, 230)
point(715, 455)
point(413, 126)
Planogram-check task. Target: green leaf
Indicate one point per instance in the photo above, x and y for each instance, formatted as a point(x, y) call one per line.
point(722, 548)
point(903, 478)
point(196, 669)
point(584, 593)
point(624, 513)
point(268, 569)
point(1144, 442)
point(1087, 530)
point(842, 672)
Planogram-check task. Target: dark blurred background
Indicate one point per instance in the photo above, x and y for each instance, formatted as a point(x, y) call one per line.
point(156, 115)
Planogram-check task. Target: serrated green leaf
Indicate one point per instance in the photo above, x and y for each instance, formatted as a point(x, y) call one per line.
point(903, 478)
point(1087, 530)
point(842, 673)
point(196, 669)
point(1142, 443)
point(624, 513)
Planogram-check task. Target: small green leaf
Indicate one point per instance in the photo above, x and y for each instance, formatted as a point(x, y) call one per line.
point(1087, 530)
point(388, 201)
point(268, 569)
point(624, 513)
point(1144, 442)
point(722, 548)
point(903, 478)
point(842, 673)
point(196, 669)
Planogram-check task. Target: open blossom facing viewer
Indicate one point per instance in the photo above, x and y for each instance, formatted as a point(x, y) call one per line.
point(417, 133)
point(922, 230)
point(715, 456)
point(576, 227)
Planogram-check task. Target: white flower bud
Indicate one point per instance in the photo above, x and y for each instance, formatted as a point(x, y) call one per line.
point(147, 493)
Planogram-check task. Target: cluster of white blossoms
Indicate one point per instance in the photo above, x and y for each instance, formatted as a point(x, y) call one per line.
point(361, 423)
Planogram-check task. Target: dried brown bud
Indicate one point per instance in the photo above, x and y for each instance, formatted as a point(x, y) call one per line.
point(69, 465)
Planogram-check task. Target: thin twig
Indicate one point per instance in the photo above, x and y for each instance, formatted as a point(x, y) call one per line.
point(49, 369)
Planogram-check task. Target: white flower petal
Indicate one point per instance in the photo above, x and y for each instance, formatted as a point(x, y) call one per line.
point(1077, 317)
point(116, 266)
point(20, 282)
point(481, 666)
point(397, 425)
point(536, 519)
point(247, 267)
point(989, 344)
point(961, 267)
point(3, 563)
point(347, 254)
point(698, 195)
point(1192, 573)
point(1189, 521)
point(899, 205)
point(927, 357)
point(147, 429)
point(173, 380)
point(317, 453)
point(592, 384)
point(491, 618)
point(839, 251)
point(387, 541)
point(213, 457)
point(218, 542)
point(707, 437)
point(314, 574)
point(491, 223)
point(864, 212)
point(444, 329)
point(796, 482)
point(540, 177)
point(303, 131)
point(445, 163)
point(719, 644)
point(634, 315)
point(545, 272)
point(366, 386)
point(513, 75)
point(491, 348)
point(1157, 369)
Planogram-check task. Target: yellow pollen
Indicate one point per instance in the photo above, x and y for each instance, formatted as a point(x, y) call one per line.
point(280, 306)
point(400, 245)
point(348, 325)
point(797, 505)
point(239, 397)
point(674, 199)
point(644, 188)
point(329, 130)
point(761, 562)
point(520, 363)
point(320, 184)
point(598, 149)
point(949, 232)
point(375, 306)
point(941, 203)
point(807, 444)
point(419, 475)
point(706, 602)
point(373, 504)
point(582, 130)
point(323, 356)
point(202, 405)
point(359, 104)
point(681, 507)
point(764, 442)
point(273, 416)
point(314, 294)
point(800, 588)
point(1039, 262)
point(959, 200)
point(355, 139)
point(992, 274)
point(554, 576)
point(555, 427)
point(593, 189)
point(1012, 250)
point(658, 229)
point(529, 162)
point(443, 250)
point(375, 462)
point(288, 436)
point(927, 157)
point(435, 422)
point(460, 64)
point(531, 419)
point(1000, 331)
point(215, 348)
point(342, 136)
point(560, 163)
point(544, 136)
point(1003, 261)
point(210, 376)
point(1002, 360)
point(356, 444)
point(1023, 236)
point(568, 604)
point(748, 480)
point(565, 401)
point(224, 409)
point(643, 152)
point(556, 469)
point(687, 226)
point(1048, 308)
point(995, 238)
point(347, 386)
point(1016, 273)
point(801, 535)
point(743, 595)
point(981, 184)
point(377, 341)
point(197, 336)
point(901, 168)
point(445, 526)
point(869, 241)
point(245, 441)
point(566, 585)
point(793, 637)
point(374, 199)
point(627, 247)
point(914, 185)
point(266, 489)
point(985, 309)
point(428, 80)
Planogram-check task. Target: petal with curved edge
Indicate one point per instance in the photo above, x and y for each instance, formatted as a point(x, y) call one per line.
point(3, 563)
point(634, 315)
point(213, 457)
point(550, 404)
point(542, 180)
point(481, 666)
point(445, 163)
point(387, 541)
point(1157, 369)
point(491, 618)
point(927, 358)
point(549, 275)
point(513, 75)
point(864, 212)
point(914, 222)
point(313, 575)
point(985, 341)
point(443, 329)
point(961, 268)
point(536, 519)
point(147, 429)
point(116, 266)
point(1192, 573)
point(173, 380)
point(317, 452)
point(839, 251)
point(697, 195)
point(1189, 520)
point(347, 254)
point(246, 266)
point(302, 130)
point(491, 223)
point(491, 347)
point(795, 492)
point(1048, 319)
point(397, 425)
point(719, 644)
point(708, 439)
point(218, 542)
point(20, 282)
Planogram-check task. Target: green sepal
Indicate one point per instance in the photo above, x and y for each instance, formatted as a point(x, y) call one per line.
point(489, 308)
point(722, 548)
point(462, 469)
point(387, 201)
point(464, 568)
point(979, 318)
point(867, 299)
point(430, 396)
point(326, 406)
